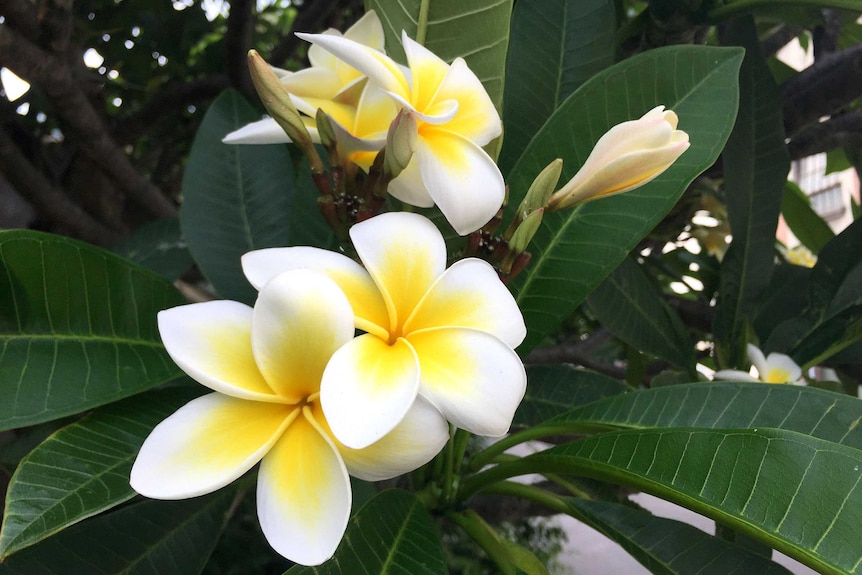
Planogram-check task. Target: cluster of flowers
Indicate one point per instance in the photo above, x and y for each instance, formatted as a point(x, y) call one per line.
point(293, 387)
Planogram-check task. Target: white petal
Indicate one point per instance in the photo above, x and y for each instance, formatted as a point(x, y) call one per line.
point(367, 388)
point(300, 318)
point(427, 71)
point(211, 342)
point(470, 294)
point(369, 309)
point(206, 444)
point(463, 180)
point(780, 369)
point(368, 31)
point(303, 495)
point(733, 375)
point(472, 377)
point(313, 83)
point(755, 356)
point(409, 187)
point(405, 254)
point(266, 131)
point(414, 442)
point(477, 118)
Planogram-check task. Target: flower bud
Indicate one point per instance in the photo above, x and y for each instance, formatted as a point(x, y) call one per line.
point(276, 99)
point(538, 195)
point(627, 156)
point(401, 142)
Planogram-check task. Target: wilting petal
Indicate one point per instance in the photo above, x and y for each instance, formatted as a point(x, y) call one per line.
point(477, 118)
point(414, 442)
point(266, 131)
point(463, 180)
point(300, 318)
point(780, 369)
point(733, 375)
point(376, 65)
point(367, 388)
point(211, 342)
point(404, 253)
point(369, 309)
point(206, 444)
point(409, 187)
point(303, 494)
point(472, 377)
point(470, 294)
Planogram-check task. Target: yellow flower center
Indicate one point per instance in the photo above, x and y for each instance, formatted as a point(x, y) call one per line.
point(776, 375)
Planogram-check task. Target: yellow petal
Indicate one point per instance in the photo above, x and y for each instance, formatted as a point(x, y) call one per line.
point(206, 444)
point(473, 378)
point(300, 318)
point(367, 388)
point(211, 342)
point(470, 294)
point(303, 494)
point(427, 71)
point(404, 253)
point(477, 118)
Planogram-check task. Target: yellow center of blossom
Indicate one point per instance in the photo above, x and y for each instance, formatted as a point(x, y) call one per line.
point(776, 375)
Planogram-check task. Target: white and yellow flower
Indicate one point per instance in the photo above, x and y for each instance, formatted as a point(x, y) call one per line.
point(774, 368)
point(265, 366)
point(455, 118)
point(447, 335)
point(628, 156)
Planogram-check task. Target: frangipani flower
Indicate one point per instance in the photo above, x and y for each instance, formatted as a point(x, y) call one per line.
point(627, 156)
point(363, 113)
point(446, 334)
point(774, 368)
point(455, 118)
point(265, 366)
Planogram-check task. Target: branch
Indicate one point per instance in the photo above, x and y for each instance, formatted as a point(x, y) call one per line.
point(50, 201)
point(237, 43)
point(842, 131)
point(822, 89)
point(83, 123)
point(21, 15)
point(311, 17)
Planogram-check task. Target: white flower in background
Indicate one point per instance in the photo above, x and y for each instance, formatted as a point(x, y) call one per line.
point(447, 334)
point(628, 156)
point(774, 368)
point(455, 117)
point(265, 366)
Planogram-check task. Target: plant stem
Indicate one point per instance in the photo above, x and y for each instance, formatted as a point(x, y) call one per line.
point(486, 537)
point(742, 6)
point(422, 25)
point(485, 456)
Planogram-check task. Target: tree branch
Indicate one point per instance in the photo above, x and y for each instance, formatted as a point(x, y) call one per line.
point(83, 123)
point(311, 17)
point(21, 15)
point(841, 131)
point(237, 42)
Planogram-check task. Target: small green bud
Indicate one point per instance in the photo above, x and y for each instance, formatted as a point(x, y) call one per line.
point(276, 99)
point(541, 189)
point(525, 231)
point(400, 144)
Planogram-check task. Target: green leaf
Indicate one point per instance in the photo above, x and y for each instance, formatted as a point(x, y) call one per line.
point(832, 319)
point(392, 534)
point(78, 328)
point(786, 298)
point(668, 547)
point(803, 221)
point(554, 46)
point(756, 163)
point(798, 494)
point(574, 250)
point(83, 469)
point(477, 31)
point(158, 246)
point(555, 389)
point(149, 538)
point(823, 414)
point(628, 304)
point(238, 198)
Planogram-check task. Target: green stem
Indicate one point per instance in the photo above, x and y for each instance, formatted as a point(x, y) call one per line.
point(569, 486)
point(422, 25)
point(486, 537)
point(449, 466)
point(743, 6)
point(532, 493)
point(461, 439)
point(485, 456)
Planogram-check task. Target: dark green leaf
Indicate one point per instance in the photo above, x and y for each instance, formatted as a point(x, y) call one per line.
point(574, 250)
point(83, 469)
point(392, 534)
point(668, 547)
point(786, 297)
point(78, 328)
point(237, 198)
point(628, 304)
point(477, 31)
point(803, 221)
point(158, 246)
point(756, 163)
point(149, 538)
point(554, 46)
point(555, 389)
point(829, 416)
point(798, 494)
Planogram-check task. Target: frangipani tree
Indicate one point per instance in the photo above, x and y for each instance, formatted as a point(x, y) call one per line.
point(349, 331)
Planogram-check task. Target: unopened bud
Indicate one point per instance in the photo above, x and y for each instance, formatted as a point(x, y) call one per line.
point(538, 195)
point(401, 142)
point(626, 157)
point(524, 233)
point(276, 99)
